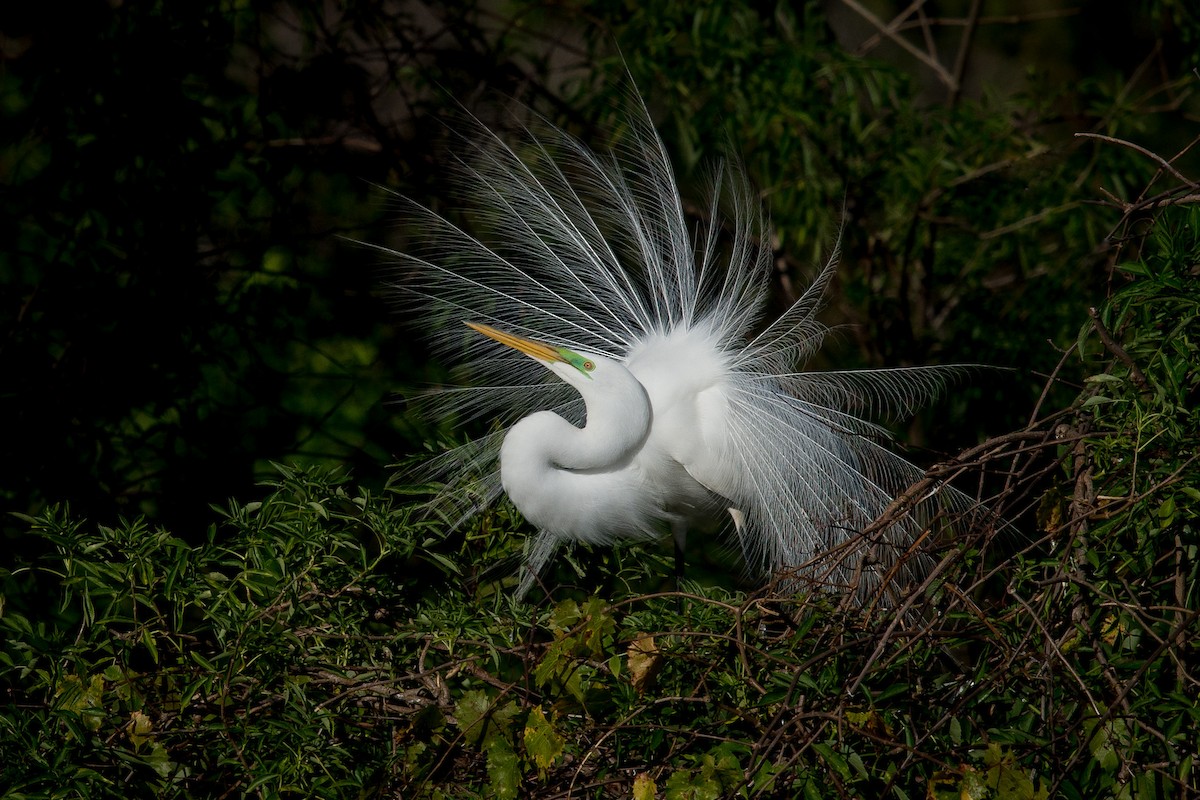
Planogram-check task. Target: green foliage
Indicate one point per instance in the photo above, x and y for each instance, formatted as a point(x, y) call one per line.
point(245, 662)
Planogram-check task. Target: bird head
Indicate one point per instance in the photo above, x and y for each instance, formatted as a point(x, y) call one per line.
point(572, 367)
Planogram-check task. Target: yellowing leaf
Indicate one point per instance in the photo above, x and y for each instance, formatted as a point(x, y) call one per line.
point(542, 742)
point(644, 661)
point(1111, 629)
point(868, 721)
point(85, 700)
point(643, 787)
point(139, 728)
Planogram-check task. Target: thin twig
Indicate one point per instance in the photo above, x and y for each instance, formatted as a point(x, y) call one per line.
point(1135, 372)
point(908, 46)
point(1166, 165)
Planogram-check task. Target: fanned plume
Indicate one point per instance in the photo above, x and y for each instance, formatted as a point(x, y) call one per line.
point(593, 252)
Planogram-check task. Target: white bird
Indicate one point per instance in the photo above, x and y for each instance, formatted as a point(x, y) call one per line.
point(641, 388)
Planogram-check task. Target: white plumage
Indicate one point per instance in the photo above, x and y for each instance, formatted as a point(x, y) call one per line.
point(641, 387)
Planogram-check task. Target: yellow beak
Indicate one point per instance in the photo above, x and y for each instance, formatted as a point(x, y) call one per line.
point(542, 352)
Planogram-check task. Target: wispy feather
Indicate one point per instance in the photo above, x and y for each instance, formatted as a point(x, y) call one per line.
point(593, 252)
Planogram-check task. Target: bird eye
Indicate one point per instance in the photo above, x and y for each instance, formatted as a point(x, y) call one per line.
point(588, 366)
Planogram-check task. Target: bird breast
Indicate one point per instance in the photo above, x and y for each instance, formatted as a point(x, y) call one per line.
point(688, 385)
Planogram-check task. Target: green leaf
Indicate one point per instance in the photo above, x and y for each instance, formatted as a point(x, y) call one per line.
point(1097, 400)
point(504, 772)
point(469, 713)
point(833, 759)
point(599, 627)
point(148, 640)
point(482, 723)
point(564, 616)
point(688, 784)
point(1104, 740)
point(1166, 512)
point(552, 662)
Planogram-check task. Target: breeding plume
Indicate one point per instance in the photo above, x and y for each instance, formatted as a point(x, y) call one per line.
point(639, 387)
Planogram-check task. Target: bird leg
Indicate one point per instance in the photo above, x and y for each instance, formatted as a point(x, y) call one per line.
point(679, 535)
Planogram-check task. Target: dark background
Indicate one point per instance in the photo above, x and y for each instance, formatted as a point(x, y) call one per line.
point(181, 185)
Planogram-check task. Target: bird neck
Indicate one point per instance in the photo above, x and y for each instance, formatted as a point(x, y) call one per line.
point(615, 429)
point(618, 421)
point(578, 483)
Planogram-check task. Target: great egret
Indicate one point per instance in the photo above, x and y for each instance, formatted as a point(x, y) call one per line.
point(669, 398)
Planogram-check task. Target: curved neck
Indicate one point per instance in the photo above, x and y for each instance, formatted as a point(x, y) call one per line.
point(578, 484)
point(618, 421)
